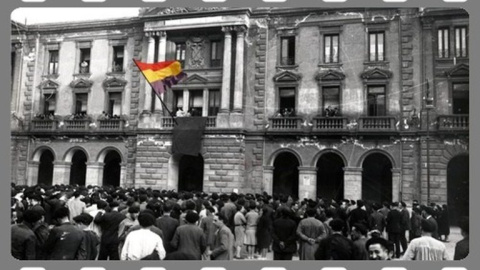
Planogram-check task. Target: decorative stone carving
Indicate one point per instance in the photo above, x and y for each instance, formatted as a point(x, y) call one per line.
point(376, 74)
point(177, 10)
point(287, 76)
point(197, 47)
point(460, 70)
point(330, 75)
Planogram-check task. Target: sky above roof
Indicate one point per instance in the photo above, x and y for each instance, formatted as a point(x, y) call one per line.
point(54, 15)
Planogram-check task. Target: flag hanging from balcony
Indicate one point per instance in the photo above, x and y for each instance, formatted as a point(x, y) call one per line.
point(161, 74)
point(187, 135)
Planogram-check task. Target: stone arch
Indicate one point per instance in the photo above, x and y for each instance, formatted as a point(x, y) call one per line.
point(378, 151)
point(70, 152)
point(326, 151)
point(274, 155)
point(450, 152)
point(39, 151)
point(101, 156)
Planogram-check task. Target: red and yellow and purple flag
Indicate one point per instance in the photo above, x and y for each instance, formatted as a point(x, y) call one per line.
point(161, 74)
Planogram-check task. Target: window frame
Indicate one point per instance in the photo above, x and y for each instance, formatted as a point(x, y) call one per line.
point(183, 52)
point(75, 102)
point(115, 50)
point(214, 110)
point(279, 99)
point(376, 32)
point(385, 88)
point(217, 61)
point(446, 51)
point(331, 86)
point(83, 57)
point(460, 27)
point(291, 59)
point(332, 59)
point(54, 70)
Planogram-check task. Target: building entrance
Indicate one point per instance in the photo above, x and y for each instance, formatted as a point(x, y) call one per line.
point(458, 188)
point(377, 178)
point(285, 175)
point(190, 173)
point(330, 177)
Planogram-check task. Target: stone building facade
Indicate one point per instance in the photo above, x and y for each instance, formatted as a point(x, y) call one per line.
point(357, 103)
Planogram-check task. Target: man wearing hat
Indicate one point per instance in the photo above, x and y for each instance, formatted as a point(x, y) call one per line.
point(189, 238)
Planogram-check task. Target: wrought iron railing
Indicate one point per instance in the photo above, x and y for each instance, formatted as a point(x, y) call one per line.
point(453, 122)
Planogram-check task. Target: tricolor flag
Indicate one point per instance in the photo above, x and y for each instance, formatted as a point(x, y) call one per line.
point(161, 74)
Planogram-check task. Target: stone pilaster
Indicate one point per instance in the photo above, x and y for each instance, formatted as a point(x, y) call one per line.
point(268, 179)
point(227, 62)
point(162, 51)
point(239, 70)
point(94, 173)
point(307, 183)
point(353, 183)
point(150, 58)
point(61, 172)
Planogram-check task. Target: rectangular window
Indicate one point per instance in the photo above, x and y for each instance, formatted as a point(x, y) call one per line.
point(461, 41)
point(81, 101)
point(195, 103)
point(49, 104)
point(178, 100)
point(53, 62)
point(376, 101)
point(443, 43)
point(85, 60)
point(287, 101)
point(330, 48)
point(213, 102)
point(180, 49)
point(376, 48)
point(287, 51)
point(460, 98)
point(331, 101)
point(215, 54)
point(118, 55)
point(114, 104)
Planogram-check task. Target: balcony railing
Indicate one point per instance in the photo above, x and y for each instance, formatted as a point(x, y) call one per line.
point(110, 124)
point(285, 123)
point(377, 123)
point(211, 122)
point(453, 122)
point(43, 125)
point(76, 124)
point(168, 122)
point(329, 123)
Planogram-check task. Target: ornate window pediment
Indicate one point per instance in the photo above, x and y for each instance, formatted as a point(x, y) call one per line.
point(460, 70)
point(114, 83)
point(195, 79)
point(48, 85)
point(287, 77)
point(376, 74)
point(330, 75)
point(81, 83)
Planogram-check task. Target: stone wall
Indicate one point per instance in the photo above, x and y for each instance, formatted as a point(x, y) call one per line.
point(19, 159)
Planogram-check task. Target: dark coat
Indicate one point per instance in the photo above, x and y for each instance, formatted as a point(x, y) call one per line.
point(168, 225)
point(335, 247)
point(377, 221)
point(189, 239)
point(23, 242)
point(223, 247)
point(284, 230)
point(358, 215)
point(66, 242)
point(264, 229)
point(109, 223)
point(394, 222)
point(92, 241)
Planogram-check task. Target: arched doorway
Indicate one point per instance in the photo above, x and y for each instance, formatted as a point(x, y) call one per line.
point(377, 178)
point(285, 174)
point(330, 177)
point(78, 169)
point(458, 188)
point(190, 173)
point(112, 169)
point(45, 168)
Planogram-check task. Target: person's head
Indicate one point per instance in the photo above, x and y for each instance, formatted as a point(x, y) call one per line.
point(337, 225)
point(61, 215)
point(464, 226)
point(146, 219)
point(167, 207)
point(358, 231)
point(101, 204)
point(379, 249)
point(31, 217)
point(191, 217)
point(233, 197)
point(219, 219)
point(134, 211)
point(427, 227)
point(311, 212)
point(83, 220)
point(190, 205)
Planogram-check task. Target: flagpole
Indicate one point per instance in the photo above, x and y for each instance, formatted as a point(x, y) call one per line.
point(153, 89)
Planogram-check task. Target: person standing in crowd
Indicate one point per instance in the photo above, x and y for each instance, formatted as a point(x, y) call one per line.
point(426, 248)
point(143, 243)
point(75, 205)
point(405, 225)
point(92, 240)
point(358, 214)
point(224, 240)
point(65, 241)
point(443, 224)
point(229, 209)
point(310, 231)
point(130, 221)
point(379, 249)
point(264, 230)
point(359, 237)
point(428, 214)
point(109, 222)
point(462, 247)
point(284, 236)
point(23, 238)
point(240, 222)
point(335, 246)
point(208, 228)
point(168, 225)
point(377, 220)
point(416, 223)
point(394, 227)
point(189, 238)
point(250, 232)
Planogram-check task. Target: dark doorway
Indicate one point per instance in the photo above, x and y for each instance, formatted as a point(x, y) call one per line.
point(78, 169)
point(377, 178)
point(45, 168)
point(190, 173)
point(458, 188)
point(111, 170)
point(285, 175)
point(330, 177)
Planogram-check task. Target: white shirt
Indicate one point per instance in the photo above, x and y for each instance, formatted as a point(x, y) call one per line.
point(425, 248)
point(141, 243)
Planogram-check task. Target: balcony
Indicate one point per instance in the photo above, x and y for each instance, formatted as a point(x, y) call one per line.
point(376, 123)
point(110, 125)
point(169, 123)
point(285, 123)
point(76, 124)
point(456, 122)
point(43, 125)
point(327, 124)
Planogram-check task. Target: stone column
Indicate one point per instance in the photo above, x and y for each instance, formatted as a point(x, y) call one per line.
point(268, 179)
point(186, 97)
point(94, 175)
point(150, 58)
point(353, 183)
point(396, 182)
point(61, 172)
point(307, 182)
point(162, 51)
point(32, 174)
point(227, 62)
point(239, 70)
point(205, 102)
point(123, 174)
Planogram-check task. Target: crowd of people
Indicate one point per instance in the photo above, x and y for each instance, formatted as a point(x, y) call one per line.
point(64, 222)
